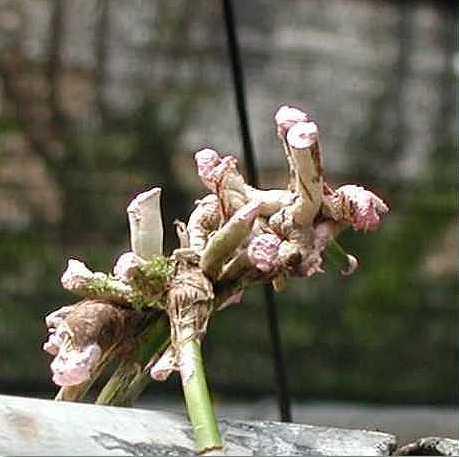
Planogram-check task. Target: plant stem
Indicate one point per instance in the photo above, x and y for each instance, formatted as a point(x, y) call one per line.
point(129, 379)
point(133, 381)
point(146, 224)
point(198, 402)
point(118, 383)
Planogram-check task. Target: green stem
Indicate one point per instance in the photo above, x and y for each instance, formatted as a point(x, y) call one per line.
point(138, 384)
point(129, 380)
point(198, 402)
point(113, 391)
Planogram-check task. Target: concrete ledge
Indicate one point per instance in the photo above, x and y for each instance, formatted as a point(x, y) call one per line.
point(432, 445)
point(43, 427)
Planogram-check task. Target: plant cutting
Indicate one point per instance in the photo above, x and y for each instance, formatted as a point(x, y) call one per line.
point(152, 312)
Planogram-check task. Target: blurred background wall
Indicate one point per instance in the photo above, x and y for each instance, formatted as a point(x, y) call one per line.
point(100, 100)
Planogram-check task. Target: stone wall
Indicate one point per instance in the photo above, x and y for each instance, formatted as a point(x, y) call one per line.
point(351, 64)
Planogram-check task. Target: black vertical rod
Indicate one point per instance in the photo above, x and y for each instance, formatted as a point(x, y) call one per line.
point(239, 92)
point(252, 175)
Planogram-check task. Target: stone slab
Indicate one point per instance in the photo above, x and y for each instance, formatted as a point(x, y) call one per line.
point(30, 426)
point(432, 445)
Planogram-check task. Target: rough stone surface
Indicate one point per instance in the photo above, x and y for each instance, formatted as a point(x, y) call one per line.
point(430, 446)
point(43, 427)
